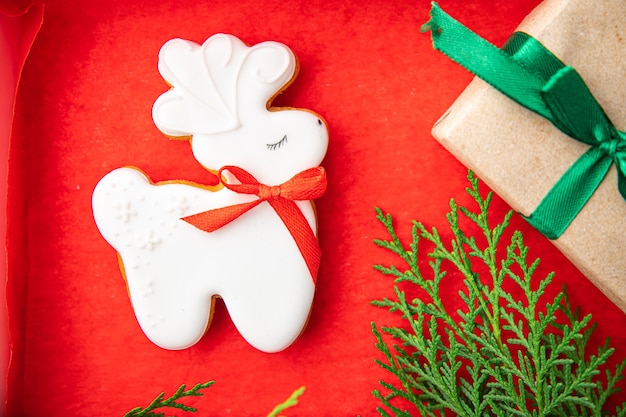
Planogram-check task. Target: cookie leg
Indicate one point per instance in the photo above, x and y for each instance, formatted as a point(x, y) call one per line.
point(272, 315)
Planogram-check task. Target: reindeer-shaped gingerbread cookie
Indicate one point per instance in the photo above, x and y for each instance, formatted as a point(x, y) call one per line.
point(252, 241)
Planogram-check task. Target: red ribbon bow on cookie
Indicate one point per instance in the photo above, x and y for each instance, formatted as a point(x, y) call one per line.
point(307, 185)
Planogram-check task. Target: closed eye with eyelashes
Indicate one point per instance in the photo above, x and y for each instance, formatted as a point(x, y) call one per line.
point(276, 145)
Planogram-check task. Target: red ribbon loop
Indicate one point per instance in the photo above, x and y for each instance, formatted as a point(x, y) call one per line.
point(307, 185)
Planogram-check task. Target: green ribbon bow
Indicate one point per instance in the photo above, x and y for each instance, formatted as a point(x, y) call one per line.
point(527, 72)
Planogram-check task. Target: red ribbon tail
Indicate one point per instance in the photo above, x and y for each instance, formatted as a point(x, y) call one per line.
point(301, 232)
point(211, 220)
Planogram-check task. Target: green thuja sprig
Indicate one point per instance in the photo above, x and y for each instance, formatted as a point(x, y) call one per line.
point(498, 354)
point(172, 402)
point(288, 403)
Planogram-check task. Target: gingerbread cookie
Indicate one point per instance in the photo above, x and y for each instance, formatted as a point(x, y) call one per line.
point(251, 240)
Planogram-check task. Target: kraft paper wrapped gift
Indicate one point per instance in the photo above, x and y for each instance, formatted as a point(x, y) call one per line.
point(521, 155)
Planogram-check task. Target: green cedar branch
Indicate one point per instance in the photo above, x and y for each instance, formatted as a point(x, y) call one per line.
point(171, 402)
point(288, 403)
point(502, 352)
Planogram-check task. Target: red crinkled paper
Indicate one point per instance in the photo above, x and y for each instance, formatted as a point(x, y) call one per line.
point(84, 109)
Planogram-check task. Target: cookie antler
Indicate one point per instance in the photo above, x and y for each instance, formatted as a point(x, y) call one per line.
point(210, 80)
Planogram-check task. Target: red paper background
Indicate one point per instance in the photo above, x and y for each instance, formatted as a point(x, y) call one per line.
point(17, 31)
point(83, 109)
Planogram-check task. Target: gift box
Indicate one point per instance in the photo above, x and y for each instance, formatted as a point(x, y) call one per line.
point(522, 155)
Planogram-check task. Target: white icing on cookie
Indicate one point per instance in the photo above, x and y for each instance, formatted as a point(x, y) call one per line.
point(219, 96)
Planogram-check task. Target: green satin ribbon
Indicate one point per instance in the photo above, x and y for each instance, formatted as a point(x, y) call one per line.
point(527, 72)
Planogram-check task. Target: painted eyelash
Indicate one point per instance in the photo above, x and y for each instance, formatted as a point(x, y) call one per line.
point(274, 146)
